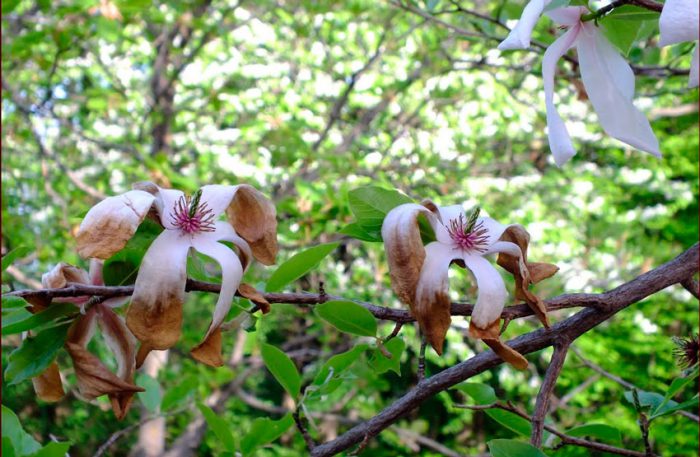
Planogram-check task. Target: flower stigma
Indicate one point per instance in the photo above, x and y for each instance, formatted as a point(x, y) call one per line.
point(191, 215)
point(467, 234)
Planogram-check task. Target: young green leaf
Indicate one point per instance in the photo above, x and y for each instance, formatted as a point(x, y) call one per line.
point(511, 421)
point(298, 265)
point(348, 317)
point(282, 368)
point(380, 363)
point(22, 442)
point(17, 253)
point(358, 232)
point(35, 354)
point(513, 448)
point(601, 432)
point(263, 431)
point(482, 394)
point(676, 386)
point(151, 397)
point(371, 204)
point(221, 429)
point(12, 303)
point(53, 449)
point(32, 321)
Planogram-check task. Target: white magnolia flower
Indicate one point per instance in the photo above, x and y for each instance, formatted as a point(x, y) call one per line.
point(420, 274)
point(155, 312)
point(679, 23)
point(608, 79)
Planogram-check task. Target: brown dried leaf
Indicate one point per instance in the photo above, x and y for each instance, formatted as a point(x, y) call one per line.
point(254, 218)
point(48, 385)
point(209, 350)
point(254, 295)
point(508, 354)
point(108, 225)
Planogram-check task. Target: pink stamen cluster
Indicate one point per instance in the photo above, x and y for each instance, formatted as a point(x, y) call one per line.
point(192, 216)
point(474, 239)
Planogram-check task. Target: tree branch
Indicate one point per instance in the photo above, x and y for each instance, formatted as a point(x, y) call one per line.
point(617, 299)
point(550, 380)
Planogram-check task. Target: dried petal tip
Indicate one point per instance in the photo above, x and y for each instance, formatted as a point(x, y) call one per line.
point(687, 351)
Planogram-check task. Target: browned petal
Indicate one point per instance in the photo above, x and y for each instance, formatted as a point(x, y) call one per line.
point(94, 379)
point(209, 350)
point(520, 269)
point(108, 225)
point(120, 341)
point(254, 218)
point(156, 319)
point(540, 271)
point(491, 332)
point(48, 385)
point(507, 353)
point(62, 274)
point(83, 328)
point(434, 318)
point(254, 295)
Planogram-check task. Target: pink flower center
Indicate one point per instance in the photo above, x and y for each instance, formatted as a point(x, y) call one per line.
point(191, 215)
point(468, 235)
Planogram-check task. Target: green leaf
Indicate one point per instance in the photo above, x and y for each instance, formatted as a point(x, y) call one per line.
point(263, 431)
point(621, 34)
point(329, 377)
point(554, 4)
point(348, 317)
point(53, 449)
point(22, 442)
point(152, 396)
point(371, 204)
point(482, 394)
point(298, 265)
point(668, 409)
point(177, 394)
point(631, 13)
point(602, 432)
point(221, 429)
point(35, 354)
point(8, 450)
point(122, 267)
point(11, 303)
point(356, 231)
point(17, 253)
point(513, 448)
point(32, 321)
point(282, 368)
point(676, 386)
point(381, 363)
point(511, 421)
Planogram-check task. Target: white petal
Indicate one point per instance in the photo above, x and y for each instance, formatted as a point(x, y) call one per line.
point(224, 232)
point(505, 247)
point(447, 214)
point(519, 37)
point(678, 22)
point(492, 291)
point(568, 16)
point(218, 197)
point(231, 274)
point(694, 64)
point(493, 228)
point(399, 221)
point(559, 140)
point(166, 202)
point(600, 66)
point(434, 279)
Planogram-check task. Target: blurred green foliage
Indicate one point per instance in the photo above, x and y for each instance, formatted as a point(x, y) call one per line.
point(309, 101)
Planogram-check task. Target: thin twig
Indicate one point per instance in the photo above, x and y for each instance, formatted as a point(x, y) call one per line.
point(550, 380)
point(643, 423)
point(310, 444)
point(421, 359)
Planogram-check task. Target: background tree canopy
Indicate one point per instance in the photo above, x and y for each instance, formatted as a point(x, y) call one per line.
point(310, 101)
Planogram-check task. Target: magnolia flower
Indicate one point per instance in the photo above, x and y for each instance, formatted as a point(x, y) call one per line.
point(419, 274)
point(608, 79)
point(155, 312)
point(679, 23)
point(94, 378)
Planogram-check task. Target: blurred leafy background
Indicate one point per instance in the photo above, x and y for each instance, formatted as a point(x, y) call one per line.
point(307, 101)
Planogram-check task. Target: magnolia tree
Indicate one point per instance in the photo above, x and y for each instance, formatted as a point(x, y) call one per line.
point(303, 145)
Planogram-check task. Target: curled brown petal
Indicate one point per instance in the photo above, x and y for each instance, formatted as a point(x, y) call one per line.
point(63, 273)
point(254, 295)
point(48, 385)
point(209, 350)
point(507, 353)
point(110, 224)
point(254, 218)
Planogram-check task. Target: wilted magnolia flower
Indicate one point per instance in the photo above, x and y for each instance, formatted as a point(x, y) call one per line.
point(94, 378)
point(155, 312)
point(608, 79)
point(679, 23)
point(419, 273)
